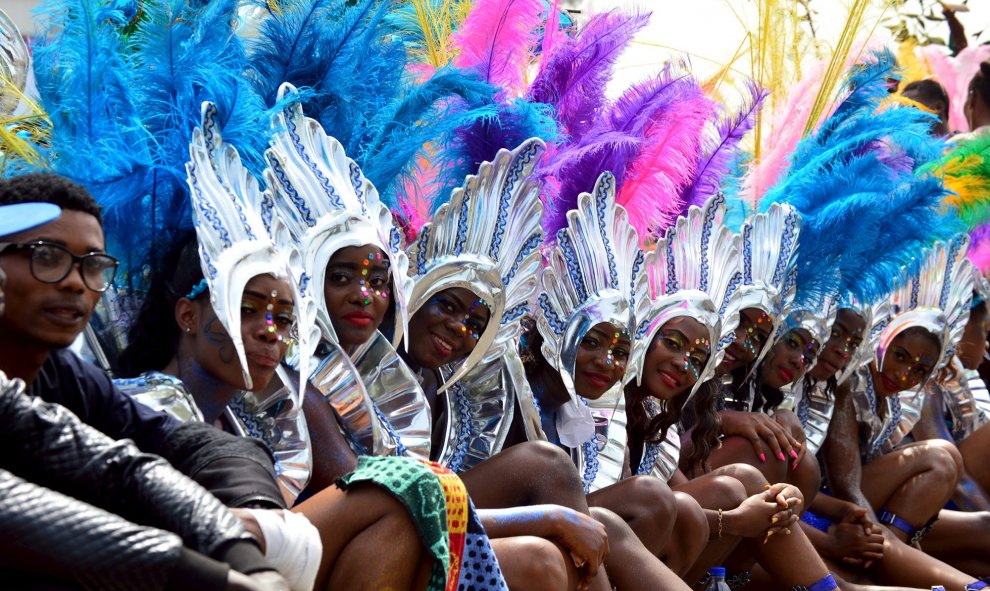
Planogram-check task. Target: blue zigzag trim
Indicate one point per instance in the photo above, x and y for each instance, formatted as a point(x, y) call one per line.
point(787, 244)
point(304, 154)
point(566, 246)
point(464, 432)
point(462, 223)
point(531, 244)
point(551, 315)
point(295, 198)
point(356, 178)
point(422, 243)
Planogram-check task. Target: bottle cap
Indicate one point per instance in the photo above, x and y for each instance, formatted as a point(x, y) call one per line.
point(717, 571)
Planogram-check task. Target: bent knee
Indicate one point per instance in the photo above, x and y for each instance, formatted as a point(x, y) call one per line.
point(944, 458)
point(651, 494)
point(752, 480)
point(691, 520)
point(532, 563)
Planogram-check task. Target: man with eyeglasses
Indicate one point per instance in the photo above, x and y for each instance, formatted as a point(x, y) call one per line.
point(55, 275)
point(60, 526)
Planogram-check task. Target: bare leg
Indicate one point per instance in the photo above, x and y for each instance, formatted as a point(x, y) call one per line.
point(630, 565)
point(913, 481)
point(904, 565)
point(975, 450)
point(713, 492)
point(962, 540)
point(646, 504)
point(531, 473)
point(358, 524)
point(690, 536)
point(738, 450)
point(534, 564)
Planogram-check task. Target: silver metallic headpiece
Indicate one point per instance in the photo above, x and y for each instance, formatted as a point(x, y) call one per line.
point(815, 317)
point(486, 239)
point(768, 260)
point(694, 272)
point(234, 243)
point(935, 298)
point(15, 63)
point(872, 314)
point(327, 204)
point(591, 277)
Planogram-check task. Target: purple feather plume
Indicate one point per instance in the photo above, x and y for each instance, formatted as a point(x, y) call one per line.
point(719, 150)
point(573, 79)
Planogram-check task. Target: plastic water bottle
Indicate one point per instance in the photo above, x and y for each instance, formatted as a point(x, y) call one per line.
point(716, 580)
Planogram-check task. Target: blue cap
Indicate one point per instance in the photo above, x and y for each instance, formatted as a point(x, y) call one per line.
point(24, 216)
point(717, 571)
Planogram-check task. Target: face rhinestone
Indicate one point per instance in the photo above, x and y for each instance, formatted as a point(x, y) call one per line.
point(365, 262)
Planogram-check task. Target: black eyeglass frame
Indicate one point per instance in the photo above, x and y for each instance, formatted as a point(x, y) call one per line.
point(6, 247)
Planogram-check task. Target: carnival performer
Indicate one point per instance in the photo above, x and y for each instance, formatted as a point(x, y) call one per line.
point(63, 529)
point(932, 306)
point(342, 228)
point(248, 327)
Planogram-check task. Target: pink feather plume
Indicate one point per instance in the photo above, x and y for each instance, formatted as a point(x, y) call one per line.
point(496, 39)
point(651, 187)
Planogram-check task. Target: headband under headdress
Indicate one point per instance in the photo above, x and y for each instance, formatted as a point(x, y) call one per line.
point(486, 239)
point(693, 272)
point(327, 204)
point(234, 243)
point(936, 298)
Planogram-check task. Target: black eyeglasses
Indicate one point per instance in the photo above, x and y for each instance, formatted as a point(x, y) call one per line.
point(51, 263)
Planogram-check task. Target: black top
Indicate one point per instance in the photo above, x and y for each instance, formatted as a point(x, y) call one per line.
point(89, 393)
point(237, 470)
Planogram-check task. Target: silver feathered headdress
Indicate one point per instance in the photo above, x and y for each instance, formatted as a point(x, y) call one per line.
point(327, 204)
point(936, 298)
point(485, 239)
point(768, 260)
point(234, 243)
point(591, 277)
point(694, 272)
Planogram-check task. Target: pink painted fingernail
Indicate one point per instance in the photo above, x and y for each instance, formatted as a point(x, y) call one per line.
point(794, 466)
point(794, 454)
point(780, 455)
point(763, 458)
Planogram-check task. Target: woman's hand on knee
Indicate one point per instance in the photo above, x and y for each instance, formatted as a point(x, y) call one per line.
point(766, 434)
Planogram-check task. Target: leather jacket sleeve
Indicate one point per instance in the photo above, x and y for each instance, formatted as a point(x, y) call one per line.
point(48, 532)
point(48, 446)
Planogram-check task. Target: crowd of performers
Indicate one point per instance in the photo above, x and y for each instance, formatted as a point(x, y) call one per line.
point(520, 335)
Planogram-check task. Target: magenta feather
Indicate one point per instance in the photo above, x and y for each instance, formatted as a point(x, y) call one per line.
point(650, 189)
point(979, 248)
point(496, 39)
point(573, 79)
point(719, 148)
point(553, 34)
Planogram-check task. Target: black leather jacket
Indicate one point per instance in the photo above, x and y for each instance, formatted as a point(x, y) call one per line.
point(80, 507)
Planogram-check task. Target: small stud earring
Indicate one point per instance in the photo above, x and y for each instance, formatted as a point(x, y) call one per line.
point(188, 329)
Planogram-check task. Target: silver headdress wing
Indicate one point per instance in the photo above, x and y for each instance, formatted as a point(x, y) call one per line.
point(485, 239)
point(694, 271)
point(15, 62)
point(768, 259)
point(592, 276)
point(328, 204)
point(234, 242)
point(935, 298)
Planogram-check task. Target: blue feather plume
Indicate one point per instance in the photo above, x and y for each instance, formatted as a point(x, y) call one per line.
point(865, 212)
point(97, 138)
